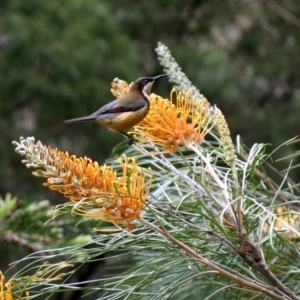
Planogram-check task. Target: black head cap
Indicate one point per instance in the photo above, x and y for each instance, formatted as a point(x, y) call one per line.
point(145, 83)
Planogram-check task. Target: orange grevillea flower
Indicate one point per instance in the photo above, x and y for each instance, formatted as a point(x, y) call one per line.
point(125, 203)
point(286, 222)
point(176, 124)
point(167, 124)
point(98, 191)
point(6, 292)
point(119, 87)
point(17, 286)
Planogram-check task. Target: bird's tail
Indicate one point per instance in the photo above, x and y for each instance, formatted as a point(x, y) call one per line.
point(81, 119)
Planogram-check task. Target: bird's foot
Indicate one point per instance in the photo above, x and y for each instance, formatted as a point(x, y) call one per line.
point(130, 139)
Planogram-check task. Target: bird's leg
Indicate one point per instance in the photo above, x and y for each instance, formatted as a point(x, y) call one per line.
point(130, 138)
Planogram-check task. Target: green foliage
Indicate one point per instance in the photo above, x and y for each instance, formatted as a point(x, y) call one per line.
point(57, 61)
point(39, 233)
point(189, 244)
point(58, 58)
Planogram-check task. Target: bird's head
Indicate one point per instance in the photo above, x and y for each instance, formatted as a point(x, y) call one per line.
point(144, 84)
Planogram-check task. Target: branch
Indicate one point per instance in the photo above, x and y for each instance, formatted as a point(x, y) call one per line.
point(241, 279)
point(284, 14)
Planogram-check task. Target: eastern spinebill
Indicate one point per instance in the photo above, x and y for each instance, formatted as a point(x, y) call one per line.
point(126, 111)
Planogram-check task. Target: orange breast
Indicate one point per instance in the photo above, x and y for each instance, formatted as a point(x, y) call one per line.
point(125, 120)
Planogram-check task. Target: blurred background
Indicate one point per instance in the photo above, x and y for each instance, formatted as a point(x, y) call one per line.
point(58, 58)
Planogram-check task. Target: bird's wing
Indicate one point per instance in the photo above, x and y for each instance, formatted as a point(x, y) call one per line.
point(110, 108)
point(116, 107)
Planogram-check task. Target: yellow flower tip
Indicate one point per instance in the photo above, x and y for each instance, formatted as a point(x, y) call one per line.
point(124, 204)
point(124, 208)
point(124, 211)
point(76, 178)
point(6, 292)
point(119, 88)
point(172, 125)
point(98, 191)
point(226, 141)
point(284, 222)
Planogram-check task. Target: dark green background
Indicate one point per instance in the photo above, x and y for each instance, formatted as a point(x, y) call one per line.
point(57, 59)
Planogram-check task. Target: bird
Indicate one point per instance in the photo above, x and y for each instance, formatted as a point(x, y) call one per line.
point(126, 111)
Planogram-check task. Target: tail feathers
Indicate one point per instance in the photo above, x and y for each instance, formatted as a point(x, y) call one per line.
point(81, 119)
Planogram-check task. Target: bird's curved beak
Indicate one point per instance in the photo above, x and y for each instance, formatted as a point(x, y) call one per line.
point(149, 85)
point(158, 76)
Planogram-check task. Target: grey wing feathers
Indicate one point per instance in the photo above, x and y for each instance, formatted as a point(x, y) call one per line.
point(115, 107)
point(109, 108)
point(81, 119)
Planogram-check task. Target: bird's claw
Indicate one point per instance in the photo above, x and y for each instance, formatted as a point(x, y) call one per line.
point(131, 140)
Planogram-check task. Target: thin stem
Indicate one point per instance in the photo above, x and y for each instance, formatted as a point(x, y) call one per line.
point(257, 261)
point(160, 158)
point(215, 176)
point(192, 224)
point(239, 202)
point(198, 189)
point(241, 279)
